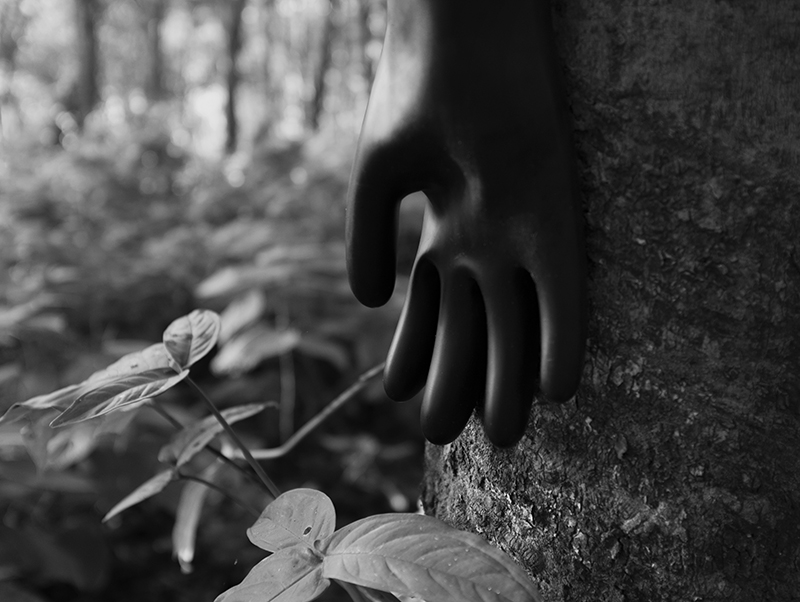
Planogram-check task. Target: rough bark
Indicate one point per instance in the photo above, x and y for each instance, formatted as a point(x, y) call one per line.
point(674, 475)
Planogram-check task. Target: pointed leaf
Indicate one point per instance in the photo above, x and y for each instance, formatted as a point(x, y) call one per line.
point(241, 313)
point(335, 353)
point(111, 396)
point(188, 442)
point(298, 517)
point(146, 490)
point(57, 449)
point(154, 356)
point(245, 351)
point(191, 337)
point(359, 593)
point(72, 444)
point(291, 575)
point(410, 554)
point(60, 399)
point(190, 505)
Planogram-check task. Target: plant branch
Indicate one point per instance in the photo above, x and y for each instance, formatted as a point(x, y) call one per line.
point(209, 448)
point(219, 489)
point(341, 399)
point(236, 441)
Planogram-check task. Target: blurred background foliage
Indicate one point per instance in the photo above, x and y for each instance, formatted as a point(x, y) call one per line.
point(162, 155)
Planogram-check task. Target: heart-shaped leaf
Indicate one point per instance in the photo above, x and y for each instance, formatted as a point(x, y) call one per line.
point(188, 442)
point(146, 490)
point(116, 394)
point(298, 517)
point(190, 505)
point(291, 575)
point(191, 337)
point(414, 555)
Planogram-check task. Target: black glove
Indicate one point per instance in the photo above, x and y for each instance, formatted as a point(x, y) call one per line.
point(468, 107)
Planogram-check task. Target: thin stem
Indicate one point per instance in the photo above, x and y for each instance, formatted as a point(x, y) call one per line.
point(217, 488)
point(344, 397)
point(288, 384)
point(166, 415)
point(178, 426)
point(238, 442)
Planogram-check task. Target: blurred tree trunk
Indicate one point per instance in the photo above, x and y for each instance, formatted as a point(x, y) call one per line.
point(365, 35)
point(267, 15)
point(232, 80)
point(675, 474)
point(317, 102)
point(155, 82)
point(86, 91)
point(12, 27)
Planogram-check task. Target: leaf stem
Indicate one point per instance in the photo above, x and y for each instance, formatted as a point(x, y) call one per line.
point(341, 399)
point(166, 415)
point(230, 461)
point(236, 441)
point(218, 489)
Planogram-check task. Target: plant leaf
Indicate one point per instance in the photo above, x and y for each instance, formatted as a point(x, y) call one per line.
point(359, 593)
point(190, 505)
point(154, 356)
point(290, 575)
point(410, 554)
point(298, 517)
point(116, 394)
point(318, 347)
point(241, 313)
point(188, 442)
point(57, 449)
point(146, 490)
point(60, 399)
point(245, 351)
point(191, 337)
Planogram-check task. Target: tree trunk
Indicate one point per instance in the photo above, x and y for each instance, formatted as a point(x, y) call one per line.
point(234, 45)
point(13, 23)
point(675, 473)
point(86, 89)
point(316, 104)
point(155, 80)
point(365, 37)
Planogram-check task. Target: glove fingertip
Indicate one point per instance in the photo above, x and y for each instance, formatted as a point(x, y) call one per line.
point(412, 346)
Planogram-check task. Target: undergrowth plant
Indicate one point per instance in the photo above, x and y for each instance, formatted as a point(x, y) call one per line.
point(374, 559)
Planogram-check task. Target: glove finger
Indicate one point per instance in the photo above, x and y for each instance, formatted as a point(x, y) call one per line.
point(513, 355)
point(371, 225)
point(412, 346)
point(562, 305)
point(458, 369)
point(392, 161)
